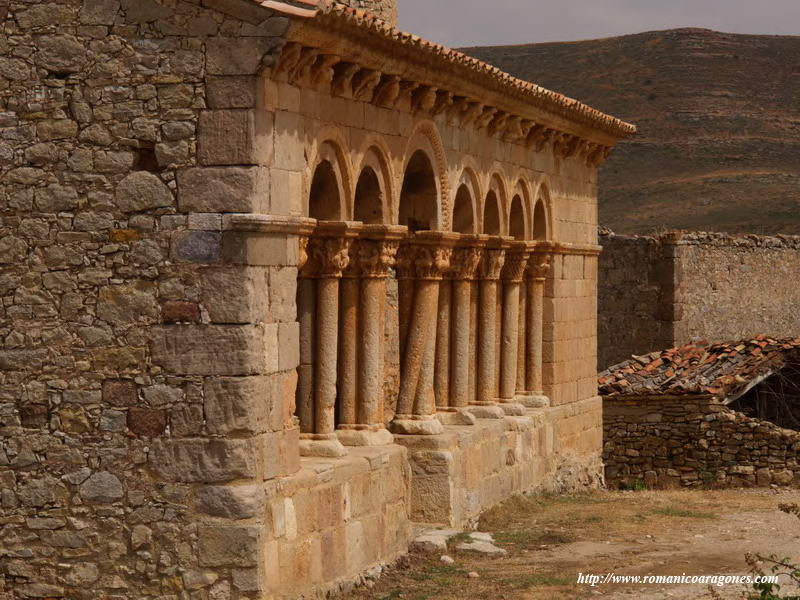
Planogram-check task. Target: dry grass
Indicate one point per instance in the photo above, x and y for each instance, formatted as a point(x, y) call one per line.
point(550, 539)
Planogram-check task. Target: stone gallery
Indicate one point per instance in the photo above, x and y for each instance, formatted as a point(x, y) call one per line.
point(278, 282)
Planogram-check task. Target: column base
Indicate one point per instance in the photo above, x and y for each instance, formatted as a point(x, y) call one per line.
point(532, 399)
point(323, 445)
point(364, 437)
point(512, 409)
point(411, 425)
point(486, 410)
point(455, 416)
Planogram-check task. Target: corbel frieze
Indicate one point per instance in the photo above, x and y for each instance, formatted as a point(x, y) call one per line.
point(304, 65)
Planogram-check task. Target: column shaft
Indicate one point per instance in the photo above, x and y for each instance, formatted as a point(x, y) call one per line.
point(373, 299)
point(487, 330)
point(508, 362)
point(306, 308)
point(442, 345)
point(326, 359)
point(348, 350)
point(522, 337)
point(461, 356)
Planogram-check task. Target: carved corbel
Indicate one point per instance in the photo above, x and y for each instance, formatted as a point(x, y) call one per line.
point(514, 130)
point(407, 89)
point(322, 71)
point(423, 99)
point(485, 118)
point(343, 74)
point(301, 70)
point(571, 146)
point(289, 57)
point(457, 110)
point(535, 136)
point(364, 84)
point(472, 111)
point(444, 100)
point(387, 92)
point(600, 154)
point(498, 122)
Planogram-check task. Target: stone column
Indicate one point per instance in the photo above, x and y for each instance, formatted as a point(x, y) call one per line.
point(349, 292)
point(375, 253)
point(539, 265)
point(329, 251)
point(512, 274)
point(429, 254)
point(306, 317)
point(491, 266)
point(466, 258)
point(522, 339)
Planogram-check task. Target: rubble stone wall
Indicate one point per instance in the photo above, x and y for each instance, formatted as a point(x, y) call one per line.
point(129, 466)
point(383, 9)
point(659, 292)
point(693, 441)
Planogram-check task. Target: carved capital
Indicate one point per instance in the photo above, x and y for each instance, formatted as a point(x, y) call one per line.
point(302, 252)
point(492, 263)
point(376, 257)
point(539, 266)
point(432, 262)
point(466, 261)
point(404, 262)
point(515, 263)
point(328, 256)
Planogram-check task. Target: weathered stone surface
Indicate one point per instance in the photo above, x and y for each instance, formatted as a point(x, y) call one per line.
point(228, 546)
point(238, 405)
point(228, 56)
point(235, 137)
point(232, 92)
point(175, 311)
point(120, 393)
point(226, 189)
point(146, 422)
point(99, 12)
point(212, 461)
point(211, 350)
point(60, 54)
point(55, 198)
point(101, 488)
point(122, 305)
point(231, 502)
point(197, 246)
point(141, 191)
point(12, 249)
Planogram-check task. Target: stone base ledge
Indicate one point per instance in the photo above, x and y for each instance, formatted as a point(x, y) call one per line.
point(486, 411)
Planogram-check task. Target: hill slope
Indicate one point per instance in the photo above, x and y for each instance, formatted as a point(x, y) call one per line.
point(719, 122)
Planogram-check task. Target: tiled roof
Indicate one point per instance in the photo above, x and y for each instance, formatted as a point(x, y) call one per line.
point(535, 94)
point(720, 369)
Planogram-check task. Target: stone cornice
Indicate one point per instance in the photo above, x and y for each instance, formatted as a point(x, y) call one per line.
point(356, 56)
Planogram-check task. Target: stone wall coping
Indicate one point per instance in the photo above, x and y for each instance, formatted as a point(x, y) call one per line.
point(290, 225)
point(709, 238)
point(661, 398)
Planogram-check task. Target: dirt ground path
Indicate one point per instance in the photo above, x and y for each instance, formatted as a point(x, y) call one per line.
point(550, 540)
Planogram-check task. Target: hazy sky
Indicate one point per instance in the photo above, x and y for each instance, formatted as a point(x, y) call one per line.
point(483, 22)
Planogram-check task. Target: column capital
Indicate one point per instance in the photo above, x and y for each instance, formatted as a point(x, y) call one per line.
point(539, 266)
point(377, 248)
point(516, 260)
point(426, 255)
point(494, 257)
point(467, 256)
point(329, 248)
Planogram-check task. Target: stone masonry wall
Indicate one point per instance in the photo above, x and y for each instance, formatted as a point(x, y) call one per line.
point(383, 9)
point(693, 441)
point(126, 466)
point(658, 292)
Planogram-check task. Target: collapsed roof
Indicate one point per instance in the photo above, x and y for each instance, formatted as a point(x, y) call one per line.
point(725, 370)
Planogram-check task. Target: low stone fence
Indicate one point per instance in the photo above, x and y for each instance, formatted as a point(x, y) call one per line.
point(690, 441)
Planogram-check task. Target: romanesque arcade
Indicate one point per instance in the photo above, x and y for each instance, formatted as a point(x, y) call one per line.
point(467, 251)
